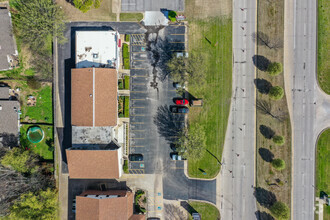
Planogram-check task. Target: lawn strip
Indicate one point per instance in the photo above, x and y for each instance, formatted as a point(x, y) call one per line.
point(206, 210)
point(216, 92)
point(131, 16)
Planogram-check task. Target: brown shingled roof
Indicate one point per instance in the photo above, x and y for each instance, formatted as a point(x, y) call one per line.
point(104, 95)
point(106, 208)
point(93, 164)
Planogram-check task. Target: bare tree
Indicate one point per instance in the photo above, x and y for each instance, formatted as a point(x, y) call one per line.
point(265, 108)
point(264, 40)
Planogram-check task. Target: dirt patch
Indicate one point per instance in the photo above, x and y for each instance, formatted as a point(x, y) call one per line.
point(103, 13)
point(207, 8)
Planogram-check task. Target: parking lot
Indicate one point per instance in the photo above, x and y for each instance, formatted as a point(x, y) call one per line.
point(151, 5)
point(150, 99)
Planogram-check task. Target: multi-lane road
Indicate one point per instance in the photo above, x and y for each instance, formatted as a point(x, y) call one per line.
point(309, 106)
point(236, 200)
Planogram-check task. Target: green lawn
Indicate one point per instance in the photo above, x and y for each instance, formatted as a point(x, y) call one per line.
point(126, 56)
point(323, 63)
point(216, 93)
point(206, 210)
point(126, 82)
point(126, 108)
point(43, 110)
point(131, 16)
point(323, 167)
point(44, 148)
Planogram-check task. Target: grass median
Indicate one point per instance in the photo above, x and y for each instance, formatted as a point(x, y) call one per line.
point(323, 168)
point(131, 17)
point(213, 38)
point(323, 48)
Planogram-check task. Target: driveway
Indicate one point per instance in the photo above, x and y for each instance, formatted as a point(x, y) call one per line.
point(151, 5)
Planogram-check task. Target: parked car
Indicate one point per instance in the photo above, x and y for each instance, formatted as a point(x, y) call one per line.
point(181, 101)
point(178, 85)
point(175, 156)
point(179, 109)
point(135, 157)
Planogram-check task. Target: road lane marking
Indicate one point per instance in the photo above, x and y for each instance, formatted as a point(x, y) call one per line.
point(138, 99)
point(139, 52)
point(136, 146)
point(139, 84)
point(138, 60)
point(138, 130)
point(137, 123)
point(138, 68)
point(136, 138)
point(177, 42)
point(137, 107)
point(138, 115)
point(177, 168)
point(140, 76)
point(136, 161)
point(138, 91)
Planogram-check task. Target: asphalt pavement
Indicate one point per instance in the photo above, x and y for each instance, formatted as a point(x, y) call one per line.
point(237, 175)
point(309, 106)
point(151, 5)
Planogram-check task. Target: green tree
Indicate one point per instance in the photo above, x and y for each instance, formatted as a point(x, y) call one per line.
point(187, 68)
point(280, 210)
point(192, 142)
point(20, 160)
point(278, 140)
point(276, 92)
point(172, 16)
point(275, 68)
point(41, 205)
point(278, 164)
point(36, 22)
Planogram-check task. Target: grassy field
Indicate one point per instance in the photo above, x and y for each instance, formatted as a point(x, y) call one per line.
point(103, 13)
point(206, 210)
point(323, 168)
point(43, 110)
point(215, 93)
point(131, 16)
point(44, 148)
point(271, 23)
point(323, 63)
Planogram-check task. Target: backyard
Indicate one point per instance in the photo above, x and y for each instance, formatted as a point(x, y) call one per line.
point(44, 148)
point(216, 93)
point(323, 168)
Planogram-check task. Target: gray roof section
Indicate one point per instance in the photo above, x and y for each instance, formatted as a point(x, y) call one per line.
point(7, 44)
point(9, 119)
point(4, 92)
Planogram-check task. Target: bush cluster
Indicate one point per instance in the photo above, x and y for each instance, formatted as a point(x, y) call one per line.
point(276, 92)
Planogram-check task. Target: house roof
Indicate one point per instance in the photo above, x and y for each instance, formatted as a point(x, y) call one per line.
point(6, 39)
point(9, 122)
point(4, 92)
point(94, 97)
point(104, 208)
point(93, 164)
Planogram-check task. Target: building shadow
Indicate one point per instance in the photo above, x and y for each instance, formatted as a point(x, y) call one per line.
point(263, 216)
point(267, 132)
point(261, 62)
point(188, 207)
point(169, 125)
point(264, 197)
point(266, 154)
point(262, 85)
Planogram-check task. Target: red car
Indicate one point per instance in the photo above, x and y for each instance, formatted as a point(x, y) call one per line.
point(181, 102)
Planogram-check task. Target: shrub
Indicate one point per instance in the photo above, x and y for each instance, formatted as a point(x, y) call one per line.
point(125, 166)
point(33, 83)
point(20, 160)
point(126, 82)
point(126, 107)
point(172, 16)
point(280, 210)
point(97, 3)
point(276, 93)
point(278, 140)
point(127, 37)
point(120, 84)
point(125, 51)
point(278, 164)
point(275, 68)
point(126, 63)
point(85, 5)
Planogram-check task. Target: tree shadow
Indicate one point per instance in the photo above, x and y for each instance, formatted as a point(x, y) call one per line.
point(266, 154)
point(219, 162)
point(267, 132)
point(261, 62)
point(263, 86)
point(9, 140)
point(263, 216)
point(264, 197)
point(169, 125)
